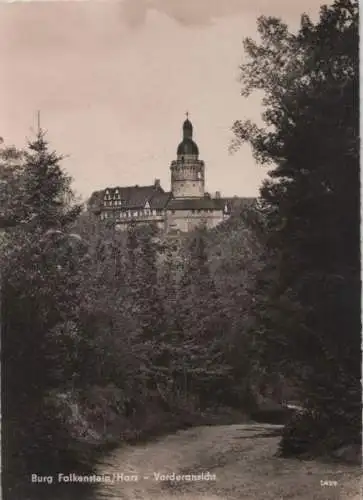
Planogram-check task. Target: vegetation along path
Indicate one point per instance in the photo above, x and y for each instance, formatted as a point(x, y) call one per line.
point(242, 458)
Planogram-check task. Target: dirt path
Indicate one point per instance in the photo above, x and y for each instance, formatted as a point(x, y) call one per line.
point(240, 456)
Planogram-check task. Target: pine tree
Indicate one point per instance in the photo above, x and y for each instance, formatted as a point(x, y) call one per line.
point(39, 291)
point(48, 196)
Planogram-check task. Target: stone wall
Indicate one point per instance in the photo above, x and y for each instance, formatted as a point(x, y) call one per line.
point(187, 220)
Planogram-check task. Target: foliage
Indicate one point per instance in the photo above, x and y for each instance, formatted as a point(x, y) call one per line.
point(308, 308)
point(39, 291)
point(100, 325)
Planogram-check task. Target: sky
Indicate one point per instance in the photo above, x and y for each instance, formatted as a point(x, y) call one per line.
point(114, 79)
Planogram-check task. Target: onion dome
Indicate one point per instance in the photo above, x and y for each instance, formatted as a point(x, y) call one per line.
point(187, 146)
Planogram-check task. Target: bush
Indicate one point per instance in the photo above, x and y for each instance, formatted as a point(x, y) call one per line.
point(312, 433)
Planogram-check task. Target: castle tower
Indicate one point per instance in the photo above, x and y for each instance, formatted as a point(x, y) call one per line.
point(187, 171)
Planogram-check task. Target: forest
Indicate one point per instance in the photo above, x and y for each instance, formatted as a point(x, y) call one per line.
point(111, 336)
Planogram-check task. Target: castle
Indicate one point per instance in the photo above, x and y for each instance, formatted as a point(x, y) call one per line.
point(186, 206)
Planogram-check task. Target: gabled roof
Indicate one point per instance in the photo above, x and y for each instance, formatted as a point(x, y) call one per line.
point(134, 196)
point(160, 200)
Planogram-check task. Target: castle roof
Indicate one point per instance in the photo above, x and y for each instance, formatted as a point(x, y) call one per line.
point(236, 202)
point(135, 197)
point(160, 201)
point(132, 197)
point(187, 146)
point(205, 203)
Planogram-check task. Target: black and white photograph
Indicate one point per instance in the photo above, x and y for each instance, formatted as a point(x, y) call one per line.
point(180, 277)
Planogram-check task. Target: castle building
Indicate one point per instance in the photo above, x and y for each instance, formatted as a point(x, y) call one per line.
point(186, 206)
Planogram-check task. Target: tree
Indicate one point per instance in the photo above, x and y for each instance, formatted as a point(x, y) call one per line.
point(198, 326)
point(39, 285)
point(36, 192)
point(237, 254)
point(11, 170)
point(308, 309)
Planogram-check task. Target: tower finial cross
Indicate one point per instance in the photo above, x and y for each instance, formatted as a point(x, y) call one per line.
point(187, 114)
